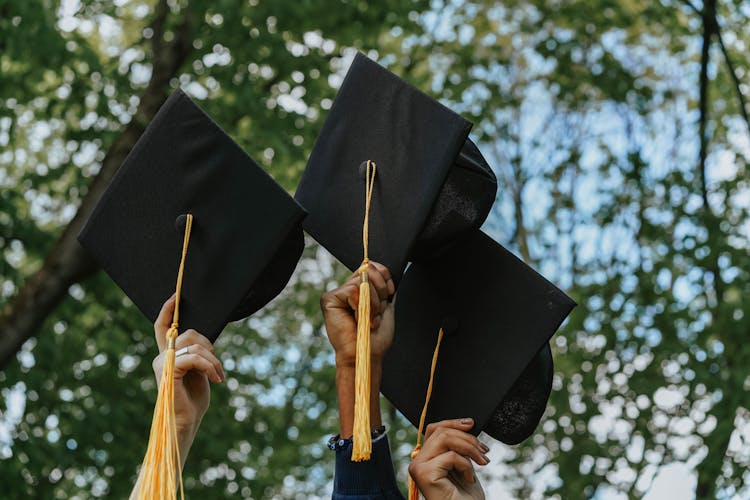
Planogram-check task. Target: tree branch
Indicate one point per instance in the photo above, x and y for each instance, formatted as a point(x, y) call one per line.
point(710, 468)
point(520, 235)
point(703, 101)
point(692, 6)
point(735, 78)
point(67, 263)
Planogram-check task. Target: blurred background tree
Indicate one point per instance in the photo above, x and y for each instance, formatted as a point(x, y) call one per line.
point(619, 134)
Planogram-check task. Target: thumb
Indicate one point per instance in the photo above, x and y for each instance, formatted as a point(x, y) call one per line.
point(163, 322)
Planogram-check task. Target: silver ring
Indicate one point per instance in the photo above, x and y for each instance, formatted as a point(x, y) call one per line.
point(184, 350)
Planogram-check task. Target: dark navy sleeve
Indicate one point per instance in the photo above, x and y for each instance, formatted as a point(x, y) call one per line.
point(373, 479)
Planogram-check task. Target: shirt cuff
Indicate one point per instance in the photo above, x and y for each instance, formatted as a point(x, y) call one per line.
point(372, 479)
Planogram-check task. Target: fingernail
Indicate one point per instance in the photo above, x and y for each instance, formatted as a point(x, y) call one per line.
point(486, 459)
point(484, 447)
point(467, 421)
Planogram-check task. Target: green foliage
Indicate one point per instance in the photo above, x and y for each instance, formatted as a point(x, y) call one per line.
point(587, 111)
point(87, 381)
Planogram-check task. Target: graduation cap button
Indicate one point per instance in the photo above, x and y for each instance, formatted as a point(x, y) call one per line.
point(179, 224)
point(363, 170)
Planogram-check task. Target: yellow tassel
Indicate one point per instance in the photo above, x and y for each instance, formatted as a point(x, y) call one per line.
point(162, 461)
point(361, 441)
point(413, 491)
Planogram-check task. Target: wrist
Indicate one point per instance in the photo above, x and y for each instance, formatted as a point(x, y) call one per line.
point(346, 374)
point(187, 423)
point(345, 380)
point(345, 361)
point(186, 433)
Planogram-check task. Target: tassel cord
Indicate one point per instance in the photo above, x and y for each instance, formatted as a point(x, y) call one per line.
point(162, 461)
point(361, 439)
point(413, 491)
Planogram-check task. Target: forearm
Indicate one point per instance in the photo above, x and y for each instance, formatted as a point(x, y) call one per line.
point(345, 372)
point(372, 479)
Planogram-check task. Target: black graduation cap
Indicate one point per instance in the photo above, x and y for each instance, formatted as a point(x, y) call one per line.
point(246, 235)
point(494, 362)
point(432, 183)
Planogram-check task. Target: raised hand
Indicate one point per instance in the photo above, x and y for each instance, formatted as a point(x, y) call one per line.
point(443, 469)
point(195, 365)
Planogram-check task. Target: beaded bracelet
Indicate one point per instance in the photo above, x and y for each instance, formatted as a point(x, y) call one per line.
point(337, 442)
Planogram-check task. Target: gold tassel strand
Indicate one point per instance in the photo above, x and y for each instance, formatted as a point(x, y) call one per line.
point(413, 491)
point(361, 440)
point(162, 461)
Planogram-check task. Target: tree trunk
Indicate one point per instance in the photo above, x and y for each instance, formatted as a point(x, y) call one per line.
point(67, 263)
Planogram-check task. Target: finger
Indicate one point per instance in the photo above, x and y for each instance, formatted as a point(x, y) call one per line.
point(354, 278)
point(431, 472)
point(339, 298)
point(190, 337)
point(352, 297)
point(454, 462)
point(374, 301)
point(201, 351)
point(376, 278)
point(462, 424)
point(378, 290)
point(163, 322)
point(352, 300)
point(386, 274)
point(196, 361)
point(375, 274)
point(448, 434)
point(445, 440)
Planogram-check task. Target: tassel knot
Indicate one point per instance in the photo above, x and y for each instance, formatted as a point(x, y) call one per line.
point(362, 269)
point(413, 491)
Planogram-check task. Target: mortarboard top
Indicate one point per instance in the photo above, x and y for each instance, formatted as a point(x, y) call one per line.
point(246, 236)
point(432, 183)
point(494, 363)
